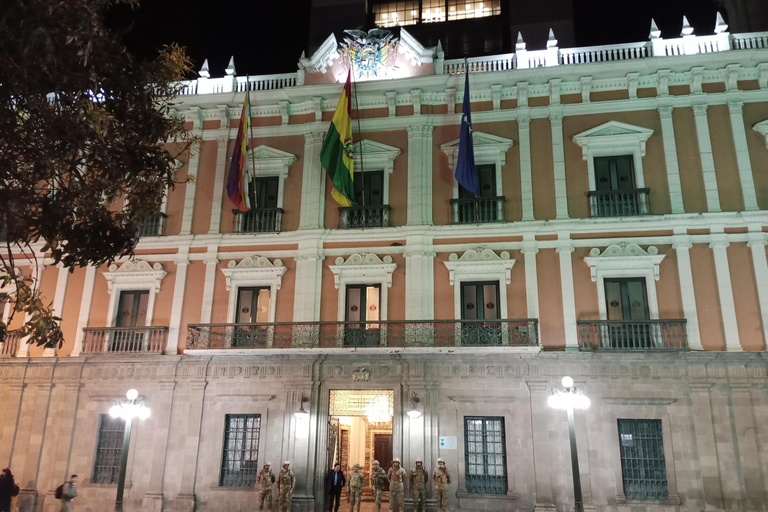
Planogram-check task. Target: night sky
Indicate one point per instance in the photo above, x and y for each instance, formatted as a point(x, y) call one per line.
point(268, 36)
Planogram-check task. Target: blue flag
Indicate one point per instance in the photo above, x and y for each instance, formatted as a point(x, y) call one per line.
point(466, 174)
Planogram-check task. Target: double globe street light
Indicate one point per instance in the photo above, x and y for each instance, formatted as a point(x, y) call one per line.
point(570, 398)
point(127, 410)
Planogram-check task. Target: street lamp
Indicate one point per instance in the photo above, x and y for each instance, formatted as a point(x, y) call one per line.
point(127, 410)
point(570, 398)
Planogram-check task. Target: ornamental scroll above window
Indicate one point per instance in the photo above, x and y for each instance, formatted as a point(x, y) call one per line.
point(133, 275)
point(253, 271)
point(480, 264)
point(363, 268)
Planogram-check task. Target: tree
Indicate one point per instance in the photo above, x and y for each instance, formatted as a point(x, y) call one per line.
point(87, 143)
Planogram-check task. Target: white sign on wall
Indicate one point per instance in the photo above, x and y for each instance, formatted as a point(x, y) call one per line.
point(448, 442)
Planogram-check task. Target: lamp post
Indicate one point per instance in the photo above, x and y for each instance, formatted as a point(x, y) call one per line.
point(127, 410)
point(570, 398)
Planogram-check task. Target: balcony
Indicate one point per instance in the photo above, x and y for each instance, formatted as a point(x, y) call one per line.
point(389, 334)
point(153, 226)
point(129, 340)
point(477, 210)
point(619, 203)
point(351, 217)
point(261, 220)
point(632, 335)
point(10, 346)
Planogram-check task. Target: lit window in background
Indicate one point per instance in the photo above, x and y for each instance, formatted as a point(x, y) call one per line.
point(464, 9)
point(396, 14)
point(432, 11)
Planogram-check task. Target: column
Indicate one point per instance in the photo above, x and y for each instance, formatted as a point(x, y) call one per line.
point(30, 432)
point(191, 428)
point(189, 194)
point(58, 300)
point(742, 155)
point(670, 158)
point(85, 309)
point(760, 264)
point(682, 248)
point(162, 400)
point(719, 248)
point(419, 278)
point(309, 263)
point(312, 183)
point(558, 157)
point(67, 396)
point(565, 249)
point(182, 263)
point(531, 277)
point(211, 261)
point(747, 453)
point(538, 392)
point(219, 180)
point(704, 441)
point(37, 276)
point(707, 162)
point(419, 175)
point(526, 180)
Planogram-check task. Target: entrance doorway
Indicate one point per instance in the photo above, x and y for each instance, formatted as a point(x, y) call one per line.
point(360, 432)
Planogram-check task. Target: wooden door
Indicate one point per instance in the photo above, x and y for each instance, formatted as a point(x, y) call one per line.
point(382, 450)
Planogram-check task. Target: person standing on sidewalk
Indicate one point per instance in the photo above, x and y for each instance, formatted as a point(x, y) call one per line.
point(285, 484)
point(264, 482)
point(419, 479)
point(356, 484)
point(396, 477)
point(335, 481)
point(378, 482)
point(442, 479)
point(69, 492)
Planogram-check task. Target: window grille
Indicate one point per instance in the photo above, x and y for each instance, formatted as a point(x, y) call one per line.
point(239, 462)
point(485, 454)
point(643, 467)
point(109, 450)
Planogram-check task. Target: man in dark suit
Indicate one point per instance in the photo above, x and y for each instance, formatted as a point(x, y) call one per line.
point(334, 483)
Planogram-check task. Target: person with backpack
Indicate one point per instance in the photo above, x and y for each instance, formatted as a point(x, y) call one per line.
point(8, 489)
point(66, 492)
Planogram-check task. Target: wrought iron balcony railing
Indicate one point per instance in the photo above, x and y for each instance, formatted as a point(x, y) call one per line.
point(477, 210)
point(150, 340)
point(10, 346)
point(154, 225)
point(421, 333)
point(363, 217)
point(632, 335)
point(619, 203)
point(261, 220)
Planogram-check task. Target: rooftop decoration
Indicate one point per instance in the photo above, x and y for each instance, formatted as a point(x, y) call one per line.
point(370, 55)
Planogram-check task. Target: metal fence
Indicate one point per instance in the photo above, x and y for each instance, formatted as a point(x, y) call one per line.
point(125, 339)
point(364, 217)
point(477, 210)
point(423, 333)
point(262, 220)
point(632, 335)
point(619, 203)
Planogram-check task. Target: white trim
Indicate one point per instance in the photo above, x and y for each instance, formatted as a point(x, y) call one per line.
point(530, 251)
point(414, 50)
point(370, 156)
point(480, 264)
point(707, 160)
point(719, 246)
point(558, 161)
point(322, 58)
point(682, 248)
point(271, 162)
point(564, 251)
point(419, 208)
point(742, 155)
point(179, 285)
point(614, 139)
point(362, 268)
point(760, 264)
point(526, 166)
point(253, 271)
point(670, 158)
point(190, 191)
point(85, 309)
point(62, 279)
point(138, 275)
point(222, 144)
point(489, 149)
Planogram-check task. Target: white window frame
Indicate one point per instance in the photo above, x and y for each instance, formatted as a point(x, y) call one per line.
point(480, 265)
point(363, 268)
point(625, 261)
point(253, 271)
point(372, 156)
point(488, 149)
point(614, 139)
point(133, 276)
point(268, 162)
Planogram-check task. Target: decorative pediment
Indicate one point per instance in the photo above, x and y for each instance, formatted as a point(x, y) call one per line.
point(488, 148)
point(479, 262)
point(322, 58)
point(135, 274)
point(374, 155)
point(269, 160)
point(414, 50)
point(624, 259)
point(612, 138)
point(254, 269)
point(363, 265)
point(762, 129)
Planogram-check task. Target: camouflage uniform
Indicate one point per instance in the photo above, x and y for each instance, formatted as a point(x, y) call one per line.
point(285, 484)
point(419, 479)
point(264, 482)
point(396, 489)
point(378, 481)
point(356, 484)
point(442, 479)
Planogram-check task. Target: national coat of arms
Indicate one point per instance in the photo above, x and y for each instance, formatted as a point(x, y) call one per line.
point(361, 375)
point(370, 54)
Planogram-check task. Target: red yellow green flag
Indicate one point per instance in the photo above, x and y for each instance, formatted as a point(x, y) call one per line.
point(336, 155)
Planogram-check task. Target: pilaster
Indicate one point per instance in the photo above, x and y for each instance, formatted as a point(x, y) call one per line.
point(742, 155)
point(193, 167)
point(419, 278)
point(558, 157)
point(179, 285)
point(526, 169)
point(538, 393)
point(719, 248)
point(704, 440)
point(58, 300)
point(160, 422)
point(757, 244)
point(309, 261)
point(38, 266)
point(312, 183)
point(682, 248)
point(565, 249)
point(419, 175)
point(707, 161)
point(211, 261)
point(531, 277)
point(85, 309)
point(670, 158)
point(222, 144)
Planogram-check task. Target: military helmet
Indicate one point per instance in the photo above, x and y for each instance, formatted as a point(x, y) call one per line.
point(267, 463)
point(356, 466)
point(286, 463)
point(441, 460)
point(395, 460)
point(376, 463)
point(420, 460)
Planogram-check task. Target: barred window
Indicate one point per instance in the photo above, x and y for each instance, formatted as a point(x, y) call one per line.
point(109, 450)
point(643, 468)
point(486, 455)
point(239, 462)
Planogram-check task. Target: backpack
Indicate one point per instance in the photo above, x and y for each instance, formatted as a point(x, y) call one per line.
point(59, 492)
point(15, 491)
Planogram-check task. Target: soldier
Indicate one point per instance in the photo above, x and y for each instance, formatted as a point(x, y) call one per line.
point(419, 479)
point(285, 484)
point(355, 488)
point(264, 482)
point(378, 481)
point(396, 477)
point(442, 479)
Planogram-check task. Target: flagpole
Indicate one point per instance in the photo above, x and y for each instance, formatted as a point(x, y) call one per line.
point(359, 131)
point(250, 126)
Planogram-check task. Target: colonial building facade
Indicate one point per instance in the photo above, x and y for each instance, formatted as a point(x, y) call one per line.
point(618, 236)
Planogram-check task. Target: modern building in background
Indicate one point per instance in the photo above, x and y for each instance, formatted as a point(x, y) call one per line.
point(618, 236)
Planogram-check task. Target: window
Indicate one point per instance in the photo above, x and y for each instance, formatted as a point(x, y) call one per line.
point(370, 210)
point(154, 225)
point(616, 193)
point(239, 462)
point(364, 306)
point(643, 466)
point(396, 14)
point(484, 207)
point(485, 455)
point(480, 301)
point(627, 302)
point(131, 314)
point(464, 9)
point(253, 305)
point(432, 11)
point(109, 450)
point(264, 216)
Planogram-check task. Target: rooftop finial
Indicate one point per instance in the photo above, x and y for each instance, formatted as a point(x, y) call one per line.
point(655, 32)
point(520, 43)
point(204, 71)
point(551, 41)
point(720, 24)
point(687, 28)
point(231, 67)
